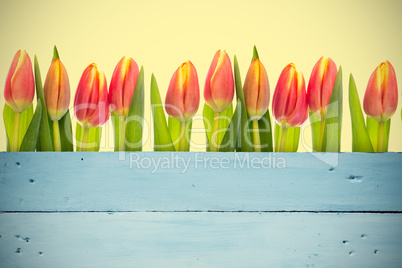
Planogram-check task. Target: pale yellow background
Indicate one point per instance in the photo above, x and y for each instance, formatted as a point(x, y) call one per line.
point(160, 35)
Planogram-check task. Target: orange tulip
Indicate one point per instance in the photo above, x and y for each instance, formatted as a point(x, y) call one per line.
point(256, 90)
point(381, 97)
point(91, 103)
point(321, 85)
point(122, 86)
point(57, 90)
point(183, 95)
point(19, 90)
point(219, 84)
point(289, 104)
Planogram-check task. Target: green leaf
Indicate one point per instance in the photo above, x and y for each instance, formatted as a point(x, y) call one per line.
point(174, 131)
point(25, 119)
point(116, 122)
point(8, 118)
point(229, 140)
point(264, 126)
point(372, 129)
point(333, 120)
point(135, 117)
point(245, 142)
point(315, 129)
point(208, 118)
point(162, 138)
point(45, 142)
point(255, 54)
point(66, 133)
point(291, 139)
point(224, 121)
point(94, 137)
point(189, 126)
point(360, 137)
point(28, 144)
point(55, 54)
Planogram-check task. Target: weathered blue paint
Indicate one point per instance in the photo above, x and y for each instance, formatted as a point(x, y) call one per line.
point(222, 210)
point(102, 182)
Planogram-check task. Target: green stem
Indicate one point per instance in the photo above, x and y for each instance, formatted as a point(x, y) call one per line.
point(84, 139)
point(282, 140)
point(123, 135)
point(380, 141)
point(182, 142)
point(256, 136)
point(15, 141)
point(56, 136)
point(321, 136)
point(215, 134)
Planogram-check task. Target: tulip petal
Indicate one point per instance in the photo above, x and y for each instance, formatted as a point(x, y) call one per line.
point(192, 92)
point(390, 91)
point(222, 84)
point(207, 88)
point(22, 83)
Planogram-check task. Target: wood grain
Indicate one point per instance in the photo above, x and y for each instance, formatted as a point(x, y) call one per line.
point(211, 182)
point(152, 239)
point(200, 210)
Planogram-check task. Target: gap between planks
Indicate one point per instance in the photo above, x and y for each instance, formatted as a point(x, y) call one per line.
point(206, 211)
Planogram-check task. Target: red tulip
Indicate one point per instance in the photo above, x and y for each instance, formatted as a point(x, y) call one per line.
point(19, 90)
point(122, 86)
point(381, 97)
point(57, 90)
point(219, 84)
point(183, 95)
point(256, 90)
point(321, 85)
point(289, 104)
point(91, 103)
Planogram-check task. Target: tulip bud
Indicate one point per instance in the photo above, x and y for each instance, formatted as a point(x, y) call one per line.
point(91, 103)
point(256, 90)
point(219, 84)
point(289, 104)
point(321, 85)
point(57, 90)
point(122, 86)
point(381, 97)
point(183, 95)
point(19, 90)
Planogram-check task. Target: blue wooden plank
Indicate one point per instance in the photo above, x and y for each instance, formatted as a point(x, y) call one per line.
point(151, 239)
point(149, 181)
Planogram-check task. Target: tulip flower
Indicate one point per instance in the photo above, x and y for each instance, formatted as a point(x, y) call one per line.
point(381, 98)
point(183, 97)
point(19, 89)
point(57, 97)
point(121, 90)
point(289, 104)
point(256, 96)
point(219, 84)
point(219, 89)
point(321, 85)
point(122, 86)
point(91, 103)
point(319, 91)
